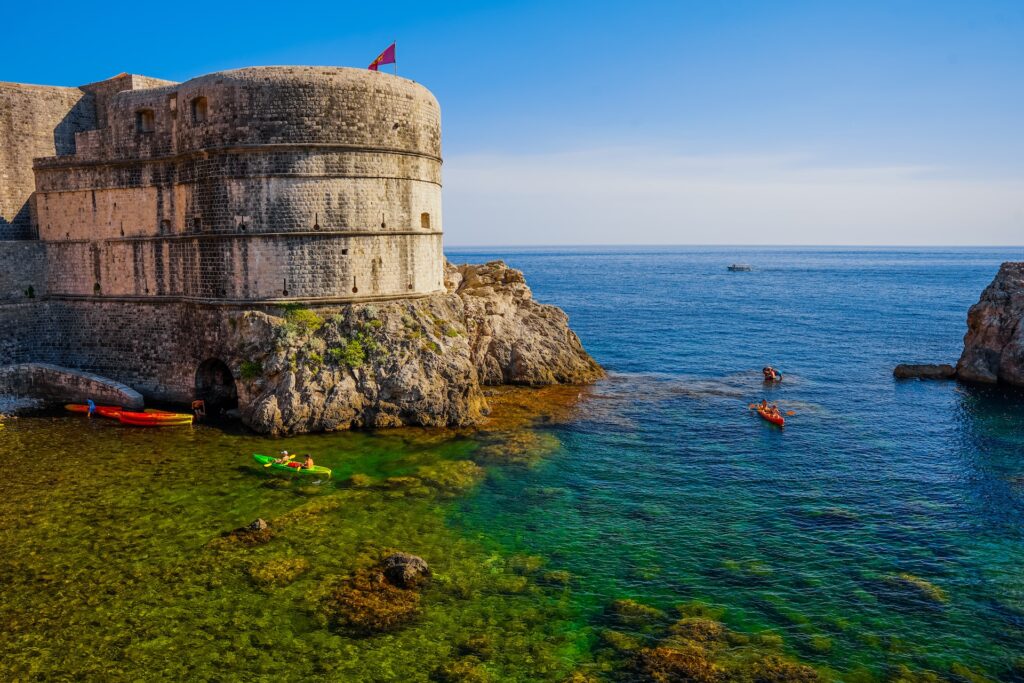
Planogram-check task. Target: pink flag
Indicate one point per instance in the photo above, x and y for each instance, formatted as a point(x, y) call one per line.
point(386, 57)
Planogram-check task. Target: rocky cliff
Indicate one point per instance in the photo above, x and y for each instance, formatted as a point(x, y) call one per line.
point(413, 362)
point(994, 343)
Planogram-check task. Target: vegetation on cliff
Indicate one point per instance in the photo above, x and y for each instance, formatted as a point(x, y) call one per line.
point(408, 362)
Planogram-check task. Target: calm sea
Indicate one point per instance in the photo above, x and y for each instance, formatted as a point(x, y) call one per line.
point(878, 536)
point(667, 488)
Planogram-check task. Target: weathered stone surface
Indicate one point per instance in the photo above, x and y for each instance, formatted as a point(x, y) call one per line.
point(994, 343)
point(924, 371)
point(419, 362)
point(514, 339)
point(405, 570)
point(64, 385)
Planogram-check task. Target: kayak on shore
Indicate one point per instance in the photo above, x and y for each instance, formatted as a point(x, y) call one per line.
point(294, 467)
point(154, 418)
point(103, 411)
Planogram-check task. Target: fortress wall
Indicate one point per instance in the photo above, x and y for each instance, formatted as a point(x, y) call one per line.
point(21, 324)
point(22, 266)
point(137, 344)
point(35, 121)
point(262, 192)
point(249, 267)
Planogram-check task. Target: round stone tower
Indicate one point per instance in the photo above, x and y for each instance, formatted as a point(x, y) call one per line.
point(257, 185)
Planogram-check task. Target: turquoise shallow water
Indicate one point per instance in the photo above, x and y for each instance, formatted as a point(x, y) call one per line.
point(666, 488)
point(877, 537)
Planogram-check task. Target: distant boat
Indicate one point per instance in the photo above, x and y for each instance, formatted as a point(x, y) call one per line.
point(740, 268)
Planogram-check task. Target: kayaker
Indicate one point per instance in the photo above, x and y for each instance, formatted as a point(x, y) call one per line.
point(764, 405)
point(283, 458)
point(307, 462)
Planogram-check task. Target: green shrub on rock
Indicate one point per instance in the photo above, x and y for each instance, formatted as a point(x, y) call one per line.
point(351, 354)
point(250, 370)
point(304, 320)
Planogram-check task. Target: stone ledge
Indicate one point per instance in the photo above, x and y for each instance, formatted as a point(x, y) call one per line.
point(67, 162)
point(256, 235)
point(243, 303)
point(66, 385)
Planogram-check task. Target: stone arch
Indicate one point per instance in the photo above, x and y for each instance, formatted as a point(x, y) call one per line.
point(216, 386)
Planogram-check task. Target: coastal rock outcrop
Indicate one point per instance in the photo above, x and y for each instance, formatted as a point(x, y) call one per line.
point(420, 361)
point(924, 371)
point(994, 343)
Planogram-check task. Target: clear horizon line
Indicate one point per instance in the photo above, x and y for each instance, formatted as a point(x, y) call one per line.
point(741, 246)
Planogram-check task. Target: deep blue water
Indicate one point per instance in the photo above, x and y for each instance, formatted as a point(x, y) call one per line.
point(668, 489)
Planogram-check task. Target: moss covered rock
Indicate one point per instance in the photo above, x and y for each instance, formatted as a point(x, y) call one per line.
point(277, 571)
point(366, 603)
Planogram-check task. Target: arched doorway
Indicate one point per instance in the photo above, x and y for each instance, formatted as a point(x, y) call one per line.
point(216, 386)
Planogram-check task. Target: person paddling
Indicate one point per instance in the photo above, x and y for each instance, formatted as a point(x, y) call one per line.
point(283, 458)
point(307, 462)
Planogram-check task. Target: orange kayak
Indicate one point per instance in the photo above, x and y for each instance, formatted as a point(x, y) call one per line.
point(774, 419)
point(154, 418)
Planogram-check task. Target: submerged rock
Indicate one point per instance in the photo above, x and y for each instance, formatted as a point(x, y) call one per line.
point(994, 343)
point(405, 570)
point(278, 571)
point(924, 371)
point(686, 663)
point(366, 603)
point(255, 533)
point(915, 587)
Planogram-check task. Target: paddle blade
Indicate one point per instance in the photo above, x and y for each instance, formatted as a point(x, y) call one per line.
point(790, 412)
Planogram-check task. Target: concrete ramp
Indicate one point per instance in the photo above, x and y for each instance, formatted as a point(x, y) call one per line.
point(65, 385)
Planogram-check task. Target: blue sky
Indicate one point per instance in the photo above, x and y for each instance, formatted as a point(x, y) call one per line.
point(895, 122)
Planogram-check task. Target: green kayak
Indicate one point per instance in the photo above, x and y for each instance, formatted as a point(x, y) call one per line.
point(294, 467)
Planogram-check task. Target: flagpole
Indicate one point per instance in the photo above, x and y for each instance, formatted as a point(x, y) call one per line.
point(396, 56)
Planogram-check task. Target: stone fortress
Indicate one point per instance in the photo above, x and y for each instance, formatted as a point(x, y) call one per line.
point(136, 214)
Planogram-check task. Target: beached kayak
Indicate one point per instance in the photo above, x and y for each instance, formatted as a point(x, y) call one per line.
point(774, 419)
point(295, 467)
point(103, 411)
point(154, 418)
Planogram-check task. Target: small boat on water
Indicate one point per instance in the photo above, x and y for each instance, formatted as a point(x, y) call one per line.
point(740, 268)
point(294, 467)
point(775, 419)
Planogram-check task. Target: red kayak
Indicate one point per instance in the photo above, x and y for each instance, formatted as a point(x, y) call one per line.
point(154, 418)
point(770, 417)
